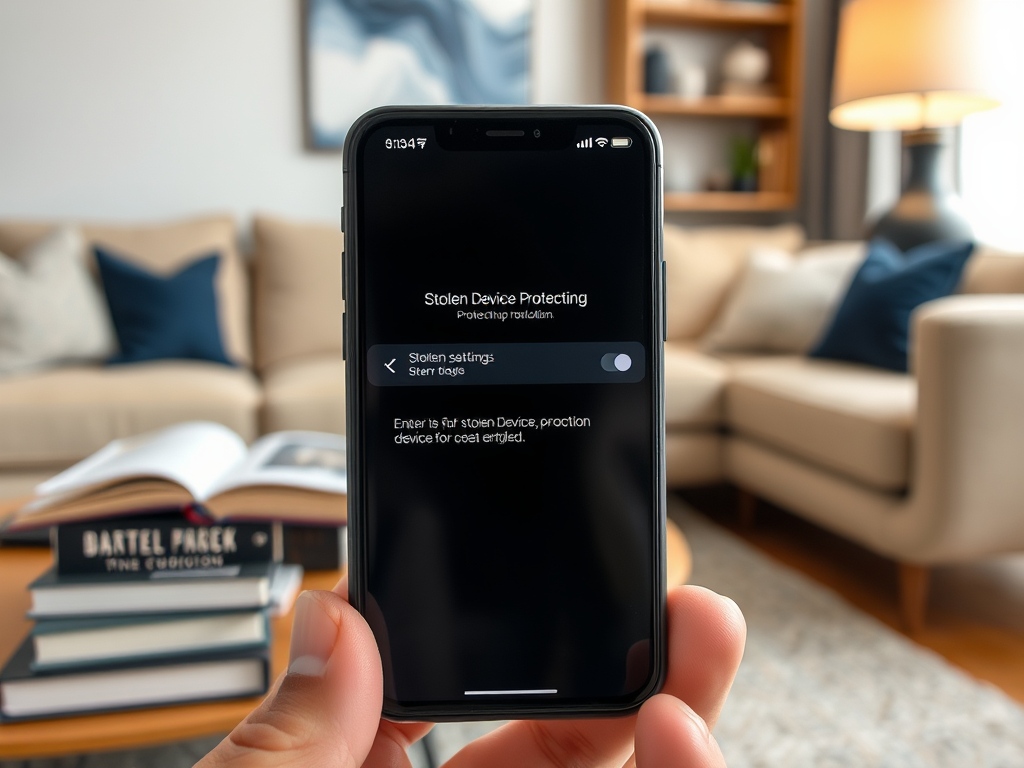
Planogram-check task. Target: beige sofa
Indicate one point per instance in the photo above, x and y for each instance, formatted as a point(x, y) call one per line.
point(925, 469)
point(280, 317)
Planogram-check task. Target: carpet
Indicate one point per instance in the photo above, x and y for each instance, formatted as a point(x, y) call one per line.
point(823, 684)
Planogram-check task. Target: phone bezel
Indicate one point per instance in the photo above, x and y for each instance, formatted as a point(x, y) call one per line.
point(354, 142)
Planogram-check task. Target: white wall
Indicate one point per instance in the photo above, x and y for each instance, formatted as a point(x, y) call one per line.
point(128, 110)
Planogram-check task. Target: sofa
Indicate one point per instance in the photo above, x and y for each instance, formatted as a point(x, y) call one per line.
point(925, 467)
point(280, 320)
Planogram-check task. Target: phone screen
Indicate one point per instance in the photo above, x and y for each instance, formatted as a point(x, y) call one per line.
point(506, 368)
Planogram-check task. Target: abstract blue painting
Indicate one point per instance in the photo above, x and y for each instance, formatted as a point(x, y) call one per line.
point(361, 54)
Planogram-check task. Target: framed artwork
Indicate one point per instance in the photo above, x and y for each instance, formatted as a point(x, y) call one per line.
point(359, 54)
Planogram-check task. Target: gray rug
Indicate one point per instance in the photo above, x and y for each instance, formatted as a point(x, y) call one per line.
point(821, 684)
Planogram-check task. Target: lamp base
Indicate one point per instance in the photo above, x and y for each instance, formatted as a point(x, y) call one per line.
point(927, 210)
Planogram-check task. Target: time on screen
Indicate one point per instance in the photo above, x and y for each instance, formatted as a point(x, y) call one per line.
point(404, 143)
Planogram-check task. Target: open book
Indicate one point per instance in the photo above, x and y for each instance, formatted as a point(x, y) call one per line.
point(289, 476)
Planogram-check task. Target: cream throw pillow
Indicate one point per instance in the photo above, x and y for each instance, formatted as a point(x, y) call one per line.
point(51, 309)
point(704, 262)
point(782, 302)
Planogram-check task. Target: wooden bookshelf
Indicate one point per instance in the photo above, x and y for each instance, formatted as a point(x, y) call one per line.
point(716, 106)
point(728, 201)
point(777, 117)
point(717, 13)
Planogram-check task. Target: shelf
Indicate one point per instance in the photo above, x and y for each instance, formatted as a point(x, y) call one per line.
point(728, 201)
point(716, 106)
point(717, 13)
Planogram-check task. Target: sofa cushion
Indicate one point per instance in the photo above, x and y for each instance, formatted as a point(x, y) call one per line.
point(62, 415)
point(694, 388)
point(298, 290)
point(781, 302)
point(849, 418)
point(164, 249)
point(694, 458)
point(993, 271)
point(872, 324)
point(163, 317)
point(305, 394)
point(51, 309)
point(702, 264)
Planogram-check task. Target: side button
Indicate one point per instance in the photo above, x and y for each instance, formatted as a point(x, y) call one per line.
point(664, 301)
point(344, 334)
point(343, 218)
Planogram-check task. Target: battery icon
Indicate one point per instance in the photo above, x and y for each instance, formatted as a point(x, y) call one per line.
point(621, 141)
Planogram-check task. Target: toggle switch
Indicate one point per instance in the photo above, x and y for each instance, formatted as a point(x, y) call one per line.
point(616, 362)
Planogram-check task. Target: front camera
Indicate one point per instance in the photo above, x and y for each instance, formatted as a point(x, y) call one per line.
point(536, 133)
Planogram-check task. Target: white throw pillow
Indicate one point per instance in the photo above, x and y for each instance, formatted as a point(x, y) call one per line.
point(51, 309)
point(782, 302)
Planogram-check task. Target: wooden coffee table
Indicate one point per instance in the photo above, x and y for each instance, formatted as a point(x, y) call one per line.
point(147, 727)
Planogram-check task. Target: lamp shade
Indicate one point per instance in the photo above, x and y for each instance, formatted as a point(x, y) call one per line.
point(910, 64)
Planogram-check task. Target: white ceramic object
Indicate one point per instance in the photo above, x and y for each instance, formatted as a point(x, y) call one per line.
point(693, 82)
point(746, 63)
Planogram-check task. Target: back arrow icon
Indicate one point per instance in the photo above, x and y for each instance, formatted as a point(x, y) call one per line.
point(388, 365)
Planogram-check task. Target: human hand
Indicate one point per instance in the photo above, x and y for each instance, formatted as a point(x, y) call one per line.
point(325, 711)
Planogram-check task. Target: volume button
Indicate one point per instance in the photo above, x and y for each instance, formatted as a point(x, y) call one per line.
point(344, 334)
point(342, 217)
point(665, 301)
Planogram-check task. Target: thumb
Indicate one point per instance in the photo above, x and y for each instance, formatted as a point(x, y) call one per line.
point(669, 733)
point(326, 708)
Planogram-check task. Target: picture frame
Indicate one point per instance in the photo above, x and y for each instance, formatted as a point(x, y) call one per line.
point(360, 54)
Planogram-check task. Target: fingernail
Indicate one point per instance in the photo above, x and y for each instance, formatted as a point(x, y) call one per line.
point(313, 636)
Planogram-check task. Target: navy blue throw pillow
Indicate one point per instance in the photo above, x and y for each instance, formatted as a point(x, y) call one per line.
point(163, 317)
point(873, 322)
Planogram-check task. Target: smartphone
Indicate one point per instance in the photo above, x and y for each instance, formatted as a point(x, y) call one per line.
point(503, 333)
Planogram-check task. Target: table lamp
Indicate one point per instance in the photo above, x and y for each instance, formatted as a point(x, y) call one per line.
point(915, 66)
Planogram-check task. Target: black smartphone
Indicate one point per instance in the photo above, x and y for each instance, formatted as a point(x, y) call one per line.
point(503, 334)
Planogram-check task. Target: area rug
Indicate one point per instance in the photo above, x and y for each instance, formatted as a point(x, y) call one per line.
point(823, 685)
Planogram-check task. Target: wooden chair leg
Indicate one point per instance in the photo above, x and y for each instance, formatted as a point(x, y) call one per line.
point(746, 504)
point(913, 595)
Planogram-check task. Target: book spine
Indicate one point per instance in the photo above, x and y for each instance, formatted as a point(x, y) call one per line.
point(147, 545)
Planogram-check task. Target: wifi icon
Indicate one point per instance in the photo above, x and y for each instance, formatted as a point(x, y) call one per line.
point(601, 141)
point(422, 142)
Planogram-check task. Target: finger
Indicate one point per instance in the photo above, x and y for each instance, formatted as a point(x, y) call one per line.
point(669, 734)
point(393, 740)
point(706, 635)
point(326, 710)
point(391, 746)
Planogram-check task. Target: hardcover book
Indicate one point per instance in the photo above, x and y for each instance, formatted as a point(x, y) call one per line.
point(291, 476)
point(231, 587)
point(26, 694)
point(90, 642)
point(162, 542)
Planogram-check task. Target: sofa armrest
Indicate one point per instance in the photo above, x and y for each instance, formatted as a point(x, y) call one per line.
point(967, 496)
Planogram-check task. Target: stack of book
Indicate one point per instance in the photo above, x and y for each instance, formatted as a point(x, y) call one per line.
point(148, 611)
point(169, 606)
